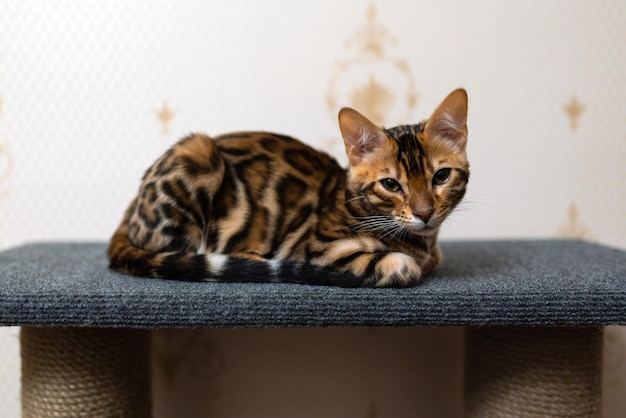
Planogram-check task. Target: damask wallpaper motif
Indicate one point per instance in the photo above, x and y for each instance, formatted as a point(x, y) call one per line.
point(573, 109)
point(165, 116)
point(371, 79)
point(92, 92)
point(574, 227)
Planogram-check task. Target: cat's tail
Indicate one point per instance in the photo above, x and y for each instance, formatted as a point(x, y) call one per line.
point(127, 258)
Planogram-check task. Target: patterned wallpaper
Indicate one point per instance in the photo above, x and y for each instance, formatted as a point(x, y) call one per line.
point(92, 92)
point(370, 78)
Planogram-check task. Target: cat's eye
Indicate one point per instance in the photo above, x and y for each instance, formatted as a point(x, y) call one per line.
point(441, 177)
point(391, 185)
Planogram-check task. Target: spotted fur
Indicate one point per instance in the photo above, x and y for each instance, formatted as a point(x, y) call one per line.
point(262, 207)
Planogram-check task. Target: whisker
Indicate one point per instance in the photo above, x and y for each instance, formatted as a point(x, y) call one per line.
point(372, 219)
point(372, 227)
point(475, 199)
point(386, 227)
point(389, 232)
point(353, 199)
point(392, 232)
point(374, 223)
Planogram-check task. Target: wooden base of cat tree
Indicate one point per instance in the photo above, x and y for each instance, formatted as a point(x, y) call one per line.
point(533, 312)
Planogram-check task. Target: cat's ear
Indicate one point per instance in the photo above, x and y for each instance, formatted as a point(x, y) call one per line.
point(360, 136)
point(449, 120)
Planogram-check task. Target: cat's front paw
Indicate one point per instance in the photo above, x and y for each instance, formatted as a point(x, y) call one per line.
point(397, 270)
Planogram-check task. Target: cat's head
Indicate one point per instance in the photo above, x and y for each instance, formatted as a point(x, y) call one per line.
point(410, 176)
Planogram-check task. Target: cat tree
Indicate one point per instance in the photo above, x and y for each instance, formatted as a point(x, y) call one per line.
point(533, 312)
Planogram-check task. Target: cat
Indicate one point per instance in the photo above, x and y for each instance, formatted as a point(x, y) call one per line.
point(263, 207)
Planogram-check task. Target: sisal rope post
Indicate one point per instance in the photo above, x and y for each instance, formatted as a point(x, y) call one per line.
point(85, 372)
point(533, 372)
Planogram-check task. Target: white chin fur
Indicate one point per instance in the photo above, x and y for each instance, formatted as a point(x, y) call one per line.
point(418, 227)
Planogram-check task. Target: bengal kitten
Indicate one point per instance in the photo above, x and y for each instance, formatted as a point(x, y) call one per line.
point(262, 207)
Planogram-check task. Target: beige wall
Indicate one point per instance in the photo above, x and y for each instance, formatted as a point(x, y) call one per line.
point(92, 92)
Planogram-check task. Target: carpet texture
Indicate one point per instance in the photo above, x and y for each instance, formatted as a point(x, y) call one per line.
point(526, 283)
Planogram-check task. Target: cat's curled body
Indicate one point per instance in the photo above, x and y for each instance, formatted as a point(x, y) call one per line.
point(263, 207)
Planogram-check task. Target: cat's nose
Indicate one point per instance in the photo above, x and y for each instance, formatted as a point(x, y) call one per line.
point(424, 213)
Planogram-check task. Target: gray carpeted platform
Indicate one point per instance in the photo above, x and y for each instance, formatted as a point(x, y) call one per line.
point(491, 282)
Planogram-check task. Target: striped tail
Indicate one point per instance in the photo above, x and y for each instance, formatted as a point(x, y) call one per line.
point(125, 257)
